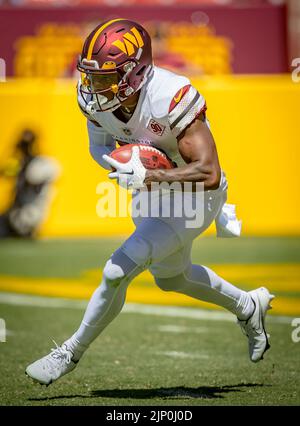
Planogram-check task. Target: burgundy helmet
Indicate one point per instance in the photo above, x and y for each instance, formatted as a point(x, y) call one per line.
point(116, 61)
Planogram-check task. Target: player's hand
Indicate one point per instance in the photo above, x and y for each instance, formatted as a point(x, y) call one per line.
point(131, 174)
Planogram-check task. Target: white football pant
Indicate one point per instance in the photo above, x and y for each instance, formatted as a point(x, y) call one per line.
point(162, 245)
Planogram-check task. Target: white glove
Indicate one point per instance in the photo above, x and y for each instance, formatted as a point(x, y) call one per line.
point(131, 174)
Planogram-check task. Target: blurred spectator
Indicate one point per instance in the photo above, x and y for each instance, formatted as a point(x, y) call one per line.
point(34, 174)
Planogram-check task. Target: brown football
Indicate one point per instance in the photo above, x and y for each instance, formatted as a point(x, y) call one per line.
point(151, 157)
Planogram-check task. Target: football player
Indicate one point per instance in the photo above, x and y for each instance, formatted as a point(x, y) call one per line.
point(126, 98)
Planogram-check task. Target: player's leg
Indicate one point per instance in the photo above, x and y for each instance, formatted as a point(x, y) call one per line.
point(202, 283)
point(134, 256)
point(104, 305)
point(176, 273)
point(108, 299)
point(151, 241)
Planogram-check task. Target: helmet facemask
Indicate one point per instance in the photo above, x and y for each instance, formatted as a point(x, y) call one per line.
point(108, 85)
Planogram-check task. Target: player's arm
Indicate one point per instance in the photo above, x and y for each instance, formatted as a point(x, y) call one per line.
point(198, 149)
point(100, 143)
point(196, 144)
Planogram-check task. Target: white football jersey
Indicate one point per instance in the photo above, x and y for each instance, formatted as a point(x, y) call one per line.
point(168, 103)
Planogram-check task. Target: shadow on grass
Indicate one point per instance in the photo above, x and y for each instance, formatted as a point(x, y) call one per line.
point(180, 392)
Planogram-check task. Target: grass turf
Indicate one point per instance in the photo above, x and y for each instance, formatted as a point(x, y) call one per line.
point(130, 364)
point(68, 258)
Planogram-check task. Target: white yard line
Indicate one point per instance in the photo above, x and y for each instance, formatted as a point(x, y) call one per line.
point(173, 328)
point(193, 313)
point(131, 308)
point(182, 355)
point(40, 301)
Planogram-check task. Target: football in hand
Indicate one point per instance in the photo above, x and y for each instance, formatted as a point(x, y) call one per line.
point(151, 157)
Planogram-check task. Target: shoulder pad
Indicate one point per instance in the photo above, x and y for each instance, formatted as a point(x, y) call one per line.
point(186, 105)
point(162, 88)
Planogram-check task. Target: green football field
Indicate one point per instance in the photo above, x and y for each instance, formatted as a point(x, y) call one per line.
point(152, 354)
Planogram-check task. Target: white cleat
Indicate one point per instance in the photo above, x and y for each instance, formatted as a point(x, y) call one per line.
point(254, 327)
point(52, 366)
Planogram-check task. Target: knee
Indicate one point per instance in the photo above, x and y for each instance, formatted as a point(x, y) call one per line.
point(113, 274)
point(170, 284)
point(120, 269)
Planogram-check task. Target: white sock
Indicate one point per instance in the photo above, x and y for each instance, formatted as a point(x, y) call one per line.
point(105, 304)
point(76, 347)
point(205, 284)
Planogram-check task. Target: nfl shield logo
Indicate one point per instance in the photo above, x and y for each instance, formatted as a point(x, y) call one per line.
point(127, 131)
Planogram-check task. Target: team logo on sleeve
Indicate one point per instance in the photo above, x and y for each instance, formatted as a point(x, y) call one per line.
point(179, 95)
point(155, 127)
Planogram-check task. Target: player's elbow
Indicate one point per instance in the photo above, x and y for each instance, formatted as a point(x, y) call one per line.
point(213, 179)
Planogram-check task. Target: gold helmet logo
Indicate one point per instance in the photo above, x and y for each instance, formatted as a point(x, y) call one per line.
point(131, 41)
